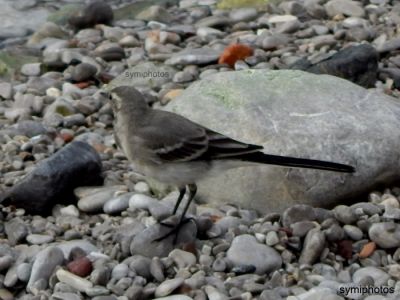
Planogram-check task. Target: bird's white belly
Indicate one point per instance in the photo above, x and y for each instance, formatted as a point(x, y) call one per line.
point(178, 174)
point(181, 174)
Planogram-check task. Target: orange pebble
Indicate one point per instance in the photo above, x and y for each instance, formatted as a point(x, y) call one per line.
point(233, 53)
point(67, 137)
point(83, 84)
point(367, 250)
point(215, 218)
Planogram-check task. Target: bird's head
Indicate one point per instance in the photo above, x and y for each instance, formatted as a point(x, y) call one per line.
point(126, 99)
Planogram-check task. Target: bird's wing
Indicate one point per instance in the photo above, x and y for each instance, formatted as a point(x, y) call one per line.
point(177, 139)
point(221, 146)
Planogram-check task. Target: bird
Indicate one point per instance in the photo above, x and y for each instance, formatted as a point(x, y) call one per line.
point(177, 151)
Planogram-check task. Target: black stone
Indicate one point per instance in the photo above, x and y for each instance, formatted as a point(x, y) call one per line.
point(83, 72)
point(112, 54)
point(358, 64)
point(243, 269)
point(55, 178)
point(97, 12)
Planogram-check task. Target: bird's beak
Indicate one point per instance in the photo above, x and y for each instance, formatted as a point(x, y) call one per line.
point(105, 94)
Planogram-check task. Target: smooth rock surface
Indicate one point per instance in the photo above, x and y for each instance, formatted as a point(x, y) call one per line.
point(313, 245)
point(380, 277)
point(386, 235)
point(54, 179)
point(145, 243)
point(73, 280)
point(245, 250)
point(45, 263)
point(297, 114)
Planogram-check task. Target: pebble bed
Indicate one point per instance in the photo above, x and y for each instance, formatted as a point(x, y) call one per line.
point(101, 247)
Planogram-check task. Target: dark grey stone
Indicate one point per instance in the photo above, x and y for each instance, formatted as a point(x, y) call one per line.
point(55, 178)
point(358, 64)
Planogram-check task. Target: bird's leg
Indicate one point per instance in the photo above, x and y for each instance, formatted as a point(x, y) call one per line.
point(192, 192)
point(182, 192)
point(175, 230)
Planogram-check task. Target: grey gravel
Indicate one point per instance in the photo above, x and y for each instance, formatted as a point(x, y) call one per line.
point(52, 96)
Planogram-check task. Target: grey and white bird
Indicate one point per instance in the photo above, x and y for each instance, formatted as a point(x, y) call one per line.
point(174, 150)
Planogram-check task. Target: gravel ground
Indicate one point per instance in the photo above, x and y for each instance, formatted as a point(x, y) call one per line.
point(102, 247)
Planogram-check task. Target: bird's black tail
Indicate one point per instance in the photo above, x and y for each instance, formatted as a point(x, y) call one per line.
point(259, 157)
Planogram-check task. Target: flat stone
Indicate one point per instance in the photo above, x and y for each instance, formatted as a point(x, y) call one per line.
point(32, 69)
point(45, 263)
point(73, 280)
point(118, 204)
point(380, 277)
point(198, 56)
point(144, 243)
point(141, 265)
point(65, 296)
point(317, 293)
point(175, 297)
point(297, 213)
point(5, 90)
point(386, 235)
point(345, 7)
point(243, 14)
point(245, 250)
point(390, 45)
point(214, 294)
point(16, 231)
point(6, 294)
point(168, 286)
point(70, 210)
point(95, 201)
point(182, 259)
point(24, 272)
point(157, 209)
point(353, 232)
point(214, 21)
point(299, 119)
point(38, 239)
point(120, 271)
point(312, 248)
point(282, 19)
point(344, 214)
point(5, 262)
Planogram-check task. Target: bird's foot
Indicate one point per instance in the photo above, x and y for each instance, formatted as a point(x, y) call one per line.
point(175, 228)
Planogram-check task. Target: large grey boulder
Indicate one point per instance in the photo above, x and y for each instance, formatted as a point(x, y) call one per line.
point(296, 114)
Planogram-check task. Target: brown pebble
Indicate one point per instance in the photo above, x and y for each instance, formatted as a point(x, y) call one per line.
point(345, 248)
point(190, 247)
point(81, 266)
point(83, 85)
